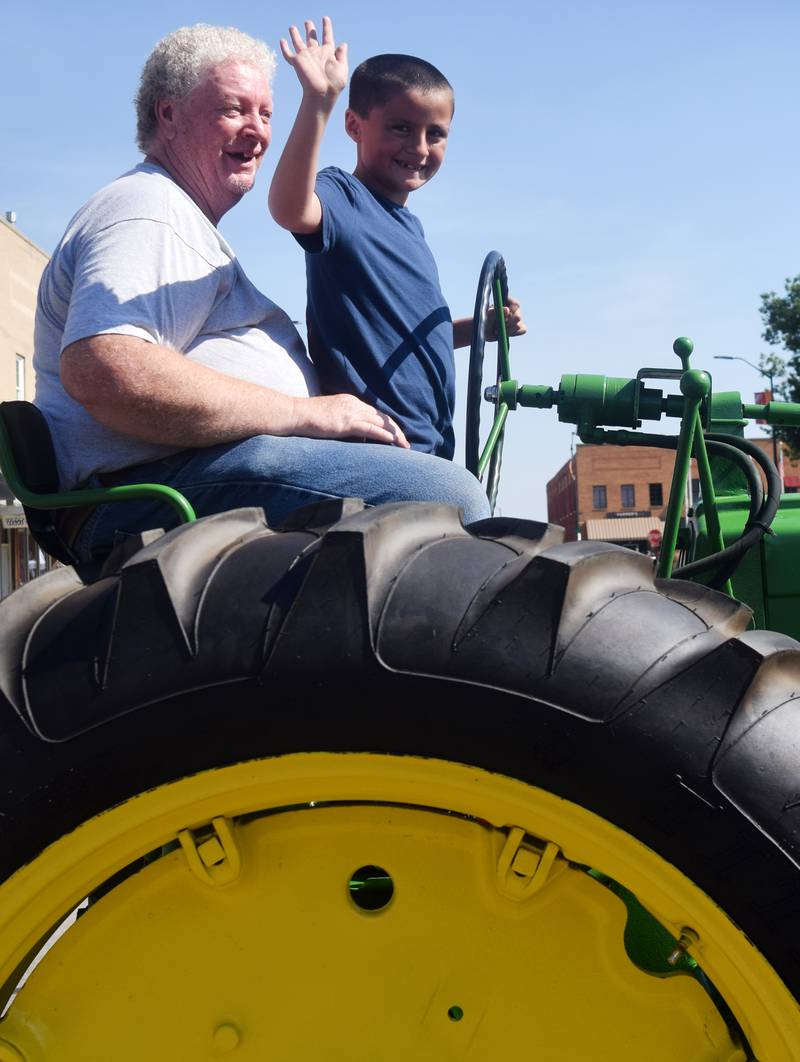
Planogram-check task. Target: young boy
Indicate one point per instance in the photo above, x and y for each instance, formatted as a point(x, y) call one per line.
point(378, 324)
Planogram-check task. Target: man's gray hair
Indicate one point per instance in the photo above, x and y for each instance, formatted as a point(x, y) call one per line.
point(181, 60)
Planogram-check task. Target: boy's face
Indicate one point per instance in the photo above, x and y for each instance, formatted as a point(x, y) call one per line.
point(401, 144)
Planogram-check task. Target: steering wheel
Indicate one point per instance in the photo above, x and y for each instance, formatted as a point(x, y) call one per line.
point(492, 288)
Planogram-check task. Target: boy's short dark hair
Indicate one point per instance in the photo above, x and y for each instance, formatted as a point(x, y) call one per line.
point(376, 80)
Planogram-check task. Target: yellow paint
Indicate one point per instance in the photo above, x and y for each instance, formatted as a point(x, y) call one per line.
point(280, 963)
point(226, 1039)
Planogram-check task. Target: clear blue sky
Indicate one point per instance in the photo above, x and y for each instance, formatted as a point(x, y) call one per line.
point(635, 162)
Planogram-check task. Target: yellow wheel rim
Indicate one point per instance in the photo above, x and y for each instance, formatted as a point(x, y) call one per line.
point(246, 940)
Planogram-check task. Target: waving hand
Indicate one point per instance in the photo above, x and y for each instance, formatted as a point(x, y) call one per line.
point(321, 68)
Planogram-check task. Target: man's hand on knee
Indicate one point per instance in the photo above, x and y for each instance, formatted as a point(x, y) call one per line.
point(346, 417)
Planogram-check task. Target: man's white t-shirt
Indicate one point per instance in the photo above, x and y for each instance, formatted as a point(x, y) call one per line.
point(141, 259)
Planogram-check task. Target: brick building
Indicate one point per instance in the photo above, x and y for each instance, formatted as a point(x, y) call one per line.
point(21, 266)
point(619, 493)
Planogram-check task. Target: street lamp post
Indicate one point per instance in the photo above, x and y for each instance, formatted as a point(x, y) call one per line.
point(768, 375)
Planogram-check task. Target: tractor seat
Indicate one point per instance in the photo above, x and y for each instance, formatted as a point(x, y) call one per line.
point(28, 461)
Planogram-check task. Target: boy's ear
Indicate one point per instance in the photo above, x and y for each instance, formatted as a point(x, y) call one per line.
point(352, 125)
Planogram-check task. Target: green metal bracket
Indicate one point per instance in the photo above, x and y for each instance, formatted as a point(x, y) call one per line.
point(98, 496)
point(509, 393)
point(537, 396)
point(695, 386)
point(497, 430)
point(784, 413)
point(726, 413)
point(708, 492)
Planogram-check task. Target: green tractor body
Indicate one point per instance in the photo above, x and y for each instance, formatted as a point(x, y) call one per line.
point(768, 578)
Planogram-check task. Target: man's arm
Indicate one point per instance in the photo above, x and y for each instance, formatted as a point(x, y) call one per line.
point(322, 71)
point(515, 326)
point(154, 393)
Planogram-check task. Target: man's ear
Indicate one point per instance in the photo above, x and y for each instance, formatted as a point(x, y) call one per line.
point(165, 118)
point(352, 124)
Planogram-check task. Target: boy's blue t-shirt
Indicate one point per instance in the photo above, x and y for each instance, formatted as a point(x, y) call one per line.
point(378, 324)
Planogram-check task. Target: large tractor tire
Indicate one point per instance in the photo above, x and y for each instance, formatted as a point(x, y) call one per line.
point(375, 787)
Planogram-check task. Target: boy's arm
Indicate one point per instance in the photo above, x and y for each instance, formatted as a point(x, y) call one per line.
point(322, 71)
point(515, 326)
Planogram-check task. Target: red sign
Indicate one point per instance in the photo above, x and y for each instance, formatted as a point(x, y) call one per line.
point(762, 398)
point(654, 538)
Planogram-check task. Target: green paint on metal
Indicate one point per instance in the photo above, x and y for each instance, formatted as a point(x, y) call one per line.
point(709, 495)
point(726, 413)
point(590, 401)
point(768, 577)
point(98, 496)
point(683, 347)
point(537, 396)
point(672, 406)
point(502, 333)
point(695, 386)
point(648, 944)
point(785, 413)
point(508, 393)
point(494, 435)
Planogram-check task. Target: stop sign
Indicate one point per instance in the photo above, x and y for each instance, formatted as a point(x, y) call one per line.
point(654, 538)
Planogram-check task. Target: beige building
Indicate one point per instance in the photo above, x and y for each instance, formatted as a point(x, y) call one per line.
point(619, 493)
point(21, 265)
point(612, 493)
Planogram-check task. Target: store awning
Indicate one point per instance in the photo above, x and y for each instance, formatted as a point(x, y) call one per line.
point(622, 529)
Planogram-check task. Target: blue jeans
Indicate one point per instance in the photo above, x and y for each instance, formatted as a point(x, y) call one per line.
point(280, 475)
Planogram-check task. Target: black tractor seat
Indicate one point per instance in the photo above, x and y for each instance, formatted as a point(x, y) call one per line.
point(28, 464)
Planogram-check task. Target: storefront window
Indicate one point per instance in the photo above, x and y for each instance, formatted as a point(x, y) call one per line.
point(28, 560)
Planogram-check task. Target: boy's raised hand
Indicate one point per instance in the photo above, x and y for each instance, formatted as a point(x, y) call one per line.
point(320, 68)
point(322, 72)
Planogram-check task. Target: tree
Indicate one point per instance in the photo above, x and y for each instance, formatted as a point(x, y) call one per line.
point(781, 317)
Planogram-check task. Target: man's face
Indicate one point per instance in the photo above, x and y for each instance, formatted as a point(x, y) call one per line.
point(401, 144)
point(213, 140)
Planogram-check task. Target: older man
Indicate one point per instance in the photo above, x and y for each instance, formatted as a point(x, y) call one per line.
point(157, 359)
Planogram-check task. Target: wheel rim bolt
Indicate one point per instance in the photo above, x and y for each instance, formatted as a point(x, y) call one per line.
point(226, 1038)
point(687, 939)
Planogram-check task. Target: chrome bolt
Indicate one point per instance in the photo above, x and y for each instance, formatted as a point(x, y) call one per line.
point(687, 939)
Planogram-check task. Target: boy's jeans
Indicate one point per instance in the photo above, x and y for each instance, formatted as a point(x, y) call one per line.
point(280, 475)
